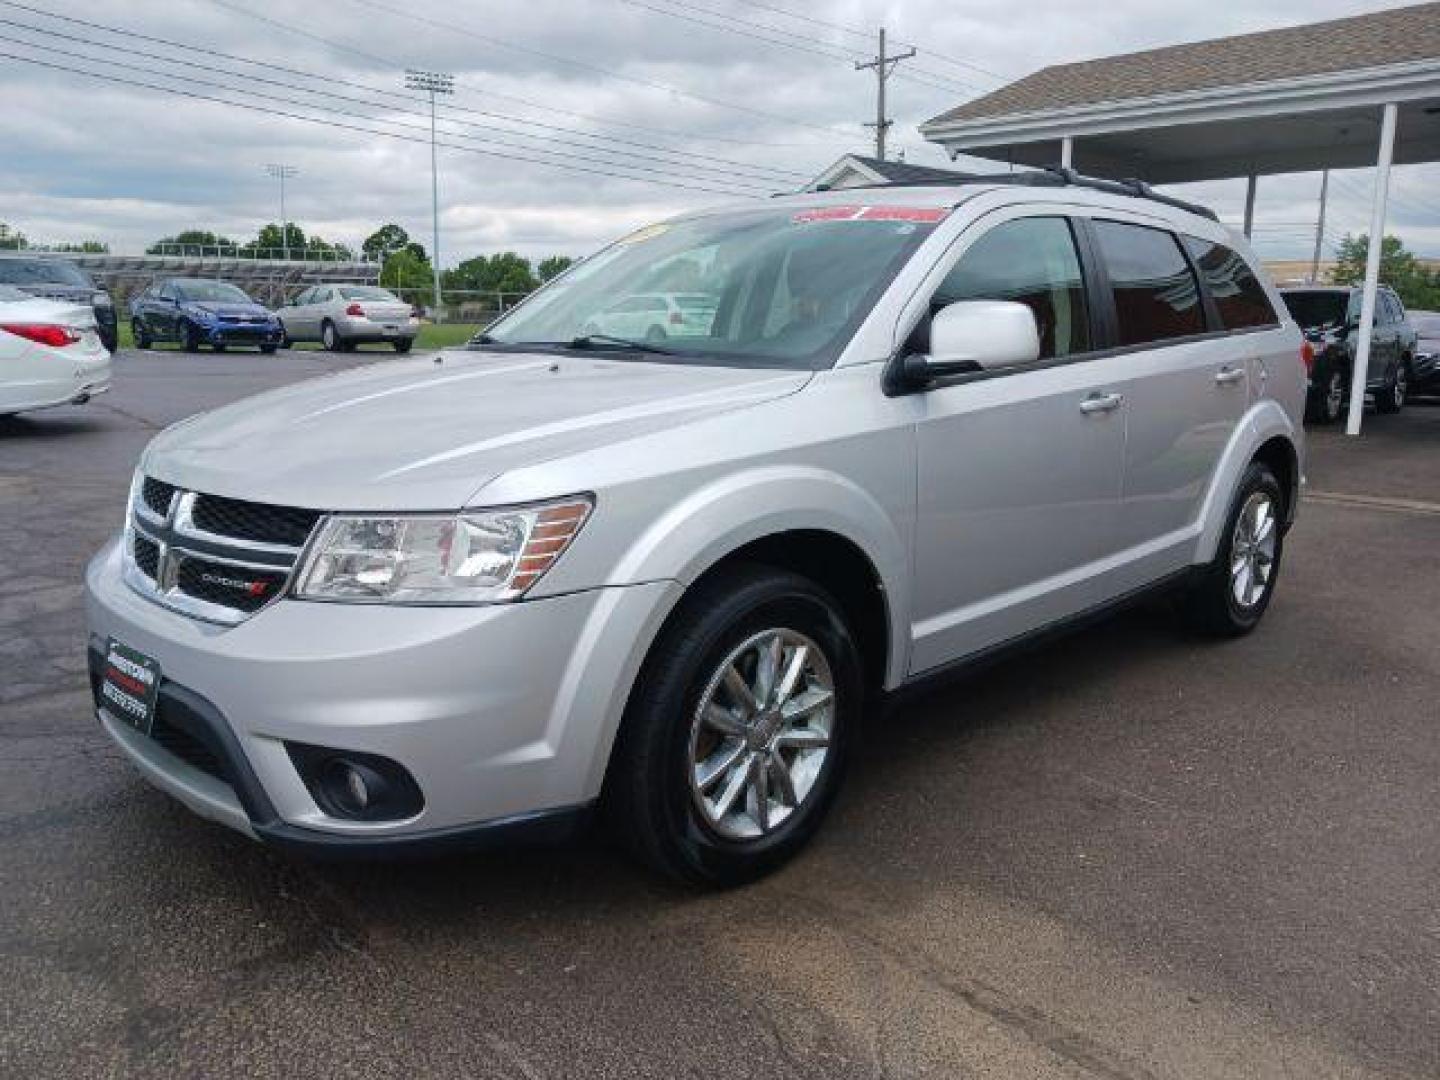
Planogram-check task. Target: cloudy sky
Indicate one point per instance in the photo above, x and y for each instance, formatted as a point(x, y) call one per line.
point(573, 120)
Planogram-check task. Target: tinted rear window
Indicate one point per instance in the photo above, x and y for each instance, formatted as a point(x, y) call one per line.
point(1156, 296)
point(1314, 310)
point(368, 292)
point(42, 272)
point(1239, 297)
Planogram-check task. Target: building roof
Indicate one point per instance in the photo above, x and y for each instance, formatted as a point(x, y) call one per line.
point(858, 169)
point(1362, 41)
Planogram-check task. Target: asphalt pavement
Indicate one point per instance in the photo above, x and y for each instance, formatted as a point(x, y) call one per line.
point(1130, 854)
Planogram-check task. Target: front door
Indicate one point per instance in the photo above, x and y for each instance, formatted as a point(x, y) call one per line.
point(1018, 473)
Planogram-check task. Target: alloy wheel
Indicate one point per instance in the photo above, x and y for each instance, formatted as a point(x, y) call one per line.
point(1398, 391)
point(1252, 550)
point(761, 733)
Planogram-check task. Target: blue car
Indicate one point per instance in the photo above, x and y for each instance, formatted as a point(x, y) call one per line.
point(198, 311)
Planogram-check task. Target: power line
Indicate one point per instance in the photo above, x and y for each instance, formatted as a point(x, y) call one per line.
point(866, 34)
point(353, 50)
point(343, 126)
point(767, 174)
point(744, 188)
point(789, 40)
point(583, 66)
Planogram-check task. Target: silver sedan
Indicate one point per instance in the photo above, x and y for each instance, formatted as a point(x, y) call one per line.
point(342, 316)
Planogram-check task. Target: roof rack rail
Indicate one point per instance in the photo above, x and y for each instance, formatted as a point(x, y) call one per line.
point(1058, 176)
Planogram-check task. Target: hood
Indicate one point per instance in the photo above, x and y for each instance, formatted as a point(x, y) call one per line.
point(428, 433)
point(218, 307)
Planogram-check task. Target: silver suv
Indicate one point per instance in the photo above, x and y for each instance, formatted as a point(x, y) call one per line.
point(446, 601)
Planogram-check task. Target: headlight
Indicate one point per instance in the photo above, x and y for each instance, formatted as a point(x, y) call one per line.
point(478, 557)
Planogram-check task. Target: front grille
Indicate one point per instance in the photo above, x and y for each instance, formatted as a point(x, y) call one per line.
point(147, 556)
point(254, 521)
point(215, 558)
point(185, 746)
point(156, 495)
point(241, 588)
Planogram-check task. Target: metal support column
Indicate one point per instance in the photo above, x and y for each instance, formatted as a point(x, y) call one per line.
point(1372, 270)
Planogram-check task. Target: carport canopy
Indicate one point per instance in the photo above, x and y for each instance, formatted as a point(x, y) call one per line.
point(1339, 94)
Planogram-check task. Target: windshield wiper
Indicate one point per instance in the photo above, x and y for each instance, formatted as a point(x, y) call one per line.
point(591, 341)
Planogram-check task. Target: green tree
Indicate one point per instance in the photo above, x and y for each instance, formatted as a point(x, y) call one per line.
point(197, 237)
point(553, 266)
point(271, 241)
point(404, 271)
point(85, 247)
point(1416, 286)
point(387, 240)
point(506, 272)
point(12, 239)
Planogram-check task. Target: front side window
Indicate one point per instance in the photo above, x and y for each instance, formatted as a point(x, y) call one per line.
point(1156, 295)
point(1239, 297)
point(787, 286)
point(1031, 261)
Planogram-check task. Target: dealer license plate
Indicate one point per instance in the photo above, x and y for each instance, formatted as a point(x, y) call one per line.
point(129, 686)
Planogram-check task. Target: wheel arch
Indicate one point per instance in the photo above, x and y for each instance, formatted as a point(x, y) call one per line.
point(1265, 433)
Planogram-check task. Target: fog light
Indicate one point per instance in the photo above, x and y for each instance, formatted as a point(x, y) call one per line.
point(361, 787)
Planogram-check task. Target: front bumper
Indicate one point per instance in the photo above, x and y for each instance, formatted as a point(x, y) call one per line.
point(503, 715)
point(241, 333)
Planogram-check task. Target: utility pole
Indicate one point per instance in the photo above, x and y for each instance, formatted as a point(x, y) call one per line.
point(281, 173)
point(433, 82)
point(1320, 227)
point(884, 66)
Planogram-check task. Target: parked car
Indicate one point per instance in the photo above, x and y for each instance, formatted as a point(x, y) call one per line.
point(60, 279)
point(199, 311)
point(50, 353)
point(1330, 319)
point(342, 316)
point(429, 607)
point(654, 317)
point(1425, 369)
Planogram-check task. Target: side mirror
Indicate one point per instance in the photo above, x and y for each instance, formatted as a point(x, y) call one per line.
point(975, 335)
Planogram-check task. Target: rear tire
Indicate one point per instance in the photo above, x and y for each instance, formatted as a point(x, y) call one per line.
point(1392, 396)
point(402, 345)
point(1327, 400)
point(707, 789)
point(1231, 594)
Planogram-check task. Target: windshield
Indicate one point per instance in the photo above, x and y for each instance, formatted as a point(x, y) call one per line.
point(367, 292)
point(42, 272)
point(214, 291)
point(772, 287)
point(1317, 310)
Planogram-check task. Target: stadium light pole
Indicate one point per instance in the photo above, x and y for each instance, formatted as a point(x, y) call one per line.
point(282, 173)
point(433, 82)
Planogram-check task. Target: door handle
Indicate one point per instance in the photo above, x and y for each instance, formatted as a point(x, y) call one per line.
point(1228, 376)
point(1098, 402)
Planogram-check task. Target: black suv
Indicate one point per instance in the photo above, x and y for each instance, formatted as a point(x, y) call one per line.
point(61, 279)
point(1330, 318)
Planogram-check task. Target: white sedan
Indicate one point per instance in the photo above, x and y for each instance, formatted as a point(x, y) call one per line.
point(50, 353)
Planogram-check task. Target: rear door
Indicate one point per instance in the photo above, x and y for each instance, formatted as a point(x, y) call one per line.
point(1188, 381)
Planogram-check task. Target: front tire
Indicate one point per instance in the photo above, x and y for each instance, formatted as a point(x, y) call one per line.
point(738, 729)
point(329, 338)
point(269, 350)
point(137, 331)
point(189, 340)
point(1231, 594)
